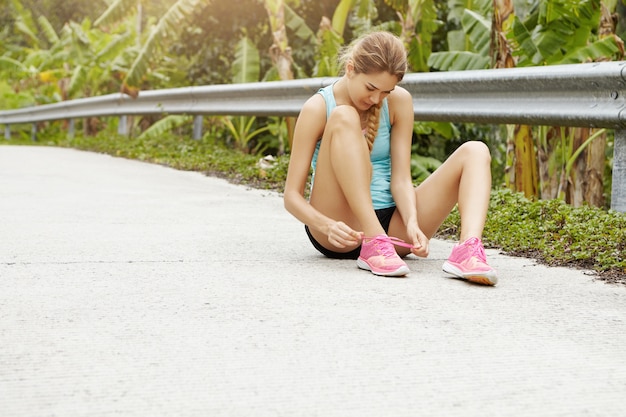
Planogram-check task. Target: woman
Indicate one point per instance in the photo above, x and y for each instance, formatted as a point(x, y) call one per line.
point(356, 135)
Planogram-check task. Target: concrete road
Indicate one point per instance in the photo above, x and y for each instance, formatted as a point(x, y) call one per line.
point(130, 289)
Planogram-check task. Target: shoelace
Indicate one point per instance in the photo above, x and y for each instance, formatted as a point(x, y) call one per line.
point(477, 249)
point(388, 239)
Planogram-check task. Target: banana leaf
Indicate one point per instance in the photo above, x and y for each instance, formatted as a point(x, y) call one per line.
point(457, 61)
point(246, 66)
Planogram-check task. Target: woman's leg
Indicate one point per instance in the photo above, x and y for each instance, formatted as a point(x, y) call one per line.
point(343, 173)
point(341, 191)
point(463, 179)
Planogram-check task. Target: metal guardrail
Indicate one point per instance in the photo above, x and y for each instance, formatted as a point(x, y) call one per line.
point(580, 95)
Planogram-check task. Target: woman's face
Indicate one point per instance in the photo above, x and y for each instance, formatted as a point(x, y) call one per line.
point(367, 90)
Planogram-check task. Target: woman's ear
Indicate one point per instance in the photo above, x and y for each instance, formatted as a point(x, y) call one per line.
point(349, 68)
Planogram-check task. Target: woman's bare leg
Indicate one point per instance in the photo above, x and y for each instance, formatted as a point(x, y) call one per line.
point(343, 173)
point(463, 179)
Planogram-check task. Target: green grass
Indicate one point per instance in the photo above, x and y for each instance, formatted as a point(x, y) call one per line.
point(549, 231)
point(554, 233)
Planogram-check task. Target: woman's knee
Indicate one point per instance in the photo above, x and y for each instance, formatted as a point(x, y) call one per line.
point(476, 150)
point(342, 117)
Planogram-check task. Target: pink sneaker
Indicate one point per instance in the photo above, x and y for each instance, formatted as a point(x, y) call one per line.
point(379, 256)
point(468, 261)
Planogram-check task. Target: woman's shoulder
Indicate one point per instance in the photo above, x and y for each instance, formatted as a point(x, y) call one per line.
point(399, 102)
point(312, 119)
point(400, 94)
point(314, 105)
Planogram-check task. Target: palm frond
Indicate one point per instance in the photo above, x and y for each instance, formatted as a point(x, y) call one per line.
point(478, 28)
point(340, 17)
point(457, 8)
point(79, 34)
point(604, 48)
point(423, 166)
point(329, 45)
point(523, 44)
point(246, 66)
point(115, 47)
point(297, 25)
point(556, 28)
point(22, 27)
point(165, 125)
point(48, 30)
point(12, 65)
point(78, 80)
point(457, 61)
point(168, 25)
point(116, 11)
point(35, 59)
point(423, 12)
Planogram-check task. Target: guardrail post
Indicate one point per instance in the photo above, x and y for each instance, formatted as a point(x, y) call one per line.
point(197, 127)
point(70, 131)
point(122, 127)
point(33, 132)
point(7, 132)
point(618, 192)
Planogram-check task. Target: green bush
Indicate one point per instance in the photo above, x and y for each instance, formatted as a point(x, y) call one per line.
point(554, 233)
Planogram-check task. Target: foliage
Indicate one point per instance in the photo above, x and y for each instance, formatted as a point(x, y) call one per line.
point(10, 100)
point(245, 69)
point(541, 161)
point(330, 39)
point(563, 32)
point(423, 166)
point(418, 22)
point(554, 232)
point(469, 44)
point(209, 40)
point(168, 26)
point(560, 32)
point(77, 61)
point(165, 125)
point(53, 61)
point(59, 13)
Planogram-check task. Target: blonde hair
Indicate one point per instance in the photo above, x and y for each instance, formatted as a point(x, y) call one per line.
point(374, 53)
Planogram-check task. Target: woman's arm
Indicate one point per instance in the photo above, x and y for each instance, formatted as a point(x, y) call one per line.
point(309, 129)
point(402, 189)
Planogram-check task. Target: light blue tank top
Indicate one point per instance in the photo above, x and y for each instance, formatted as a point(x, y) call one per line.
point(380, 156)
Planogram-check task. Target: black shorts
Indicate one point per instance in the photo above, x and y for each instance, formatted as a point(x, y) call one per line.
point(384, 217)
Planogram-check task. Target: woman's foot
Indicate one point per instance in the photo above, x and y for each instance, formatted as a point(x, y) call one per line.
point(468, 261)
point(379, 256)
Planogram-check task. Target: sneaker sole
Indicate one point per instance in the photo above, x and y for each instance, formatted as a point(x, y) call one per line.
point(400, 272)
point(487, 278)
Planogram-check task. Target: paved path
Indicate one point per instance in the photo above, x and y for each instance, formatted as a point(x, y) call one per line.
point(130, 289)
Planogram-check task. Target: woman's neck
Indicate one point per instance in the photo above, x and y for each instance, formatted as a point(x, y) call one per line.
point(340, 91)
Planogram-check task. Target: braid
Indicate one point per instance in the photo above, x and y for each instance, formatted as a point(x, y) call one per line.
point(373, 120)
point(373, 53)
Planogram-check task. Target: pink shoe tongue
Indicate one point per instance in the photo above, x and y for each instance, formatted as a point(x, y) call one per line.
point(476, 248)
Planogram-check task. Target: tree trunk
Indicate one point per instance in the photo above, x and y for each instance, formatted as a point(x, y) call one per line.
point(586, 182)
point(577, 181)
point(521, 169)
point(595, 162)
point(500, 49)
point(280, 52)
point(525, 161)
point(547, 164)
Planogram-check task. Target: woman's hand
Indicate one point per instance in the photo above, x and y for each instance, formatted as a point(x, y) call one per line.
point(419, 240)
point(341, 235)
